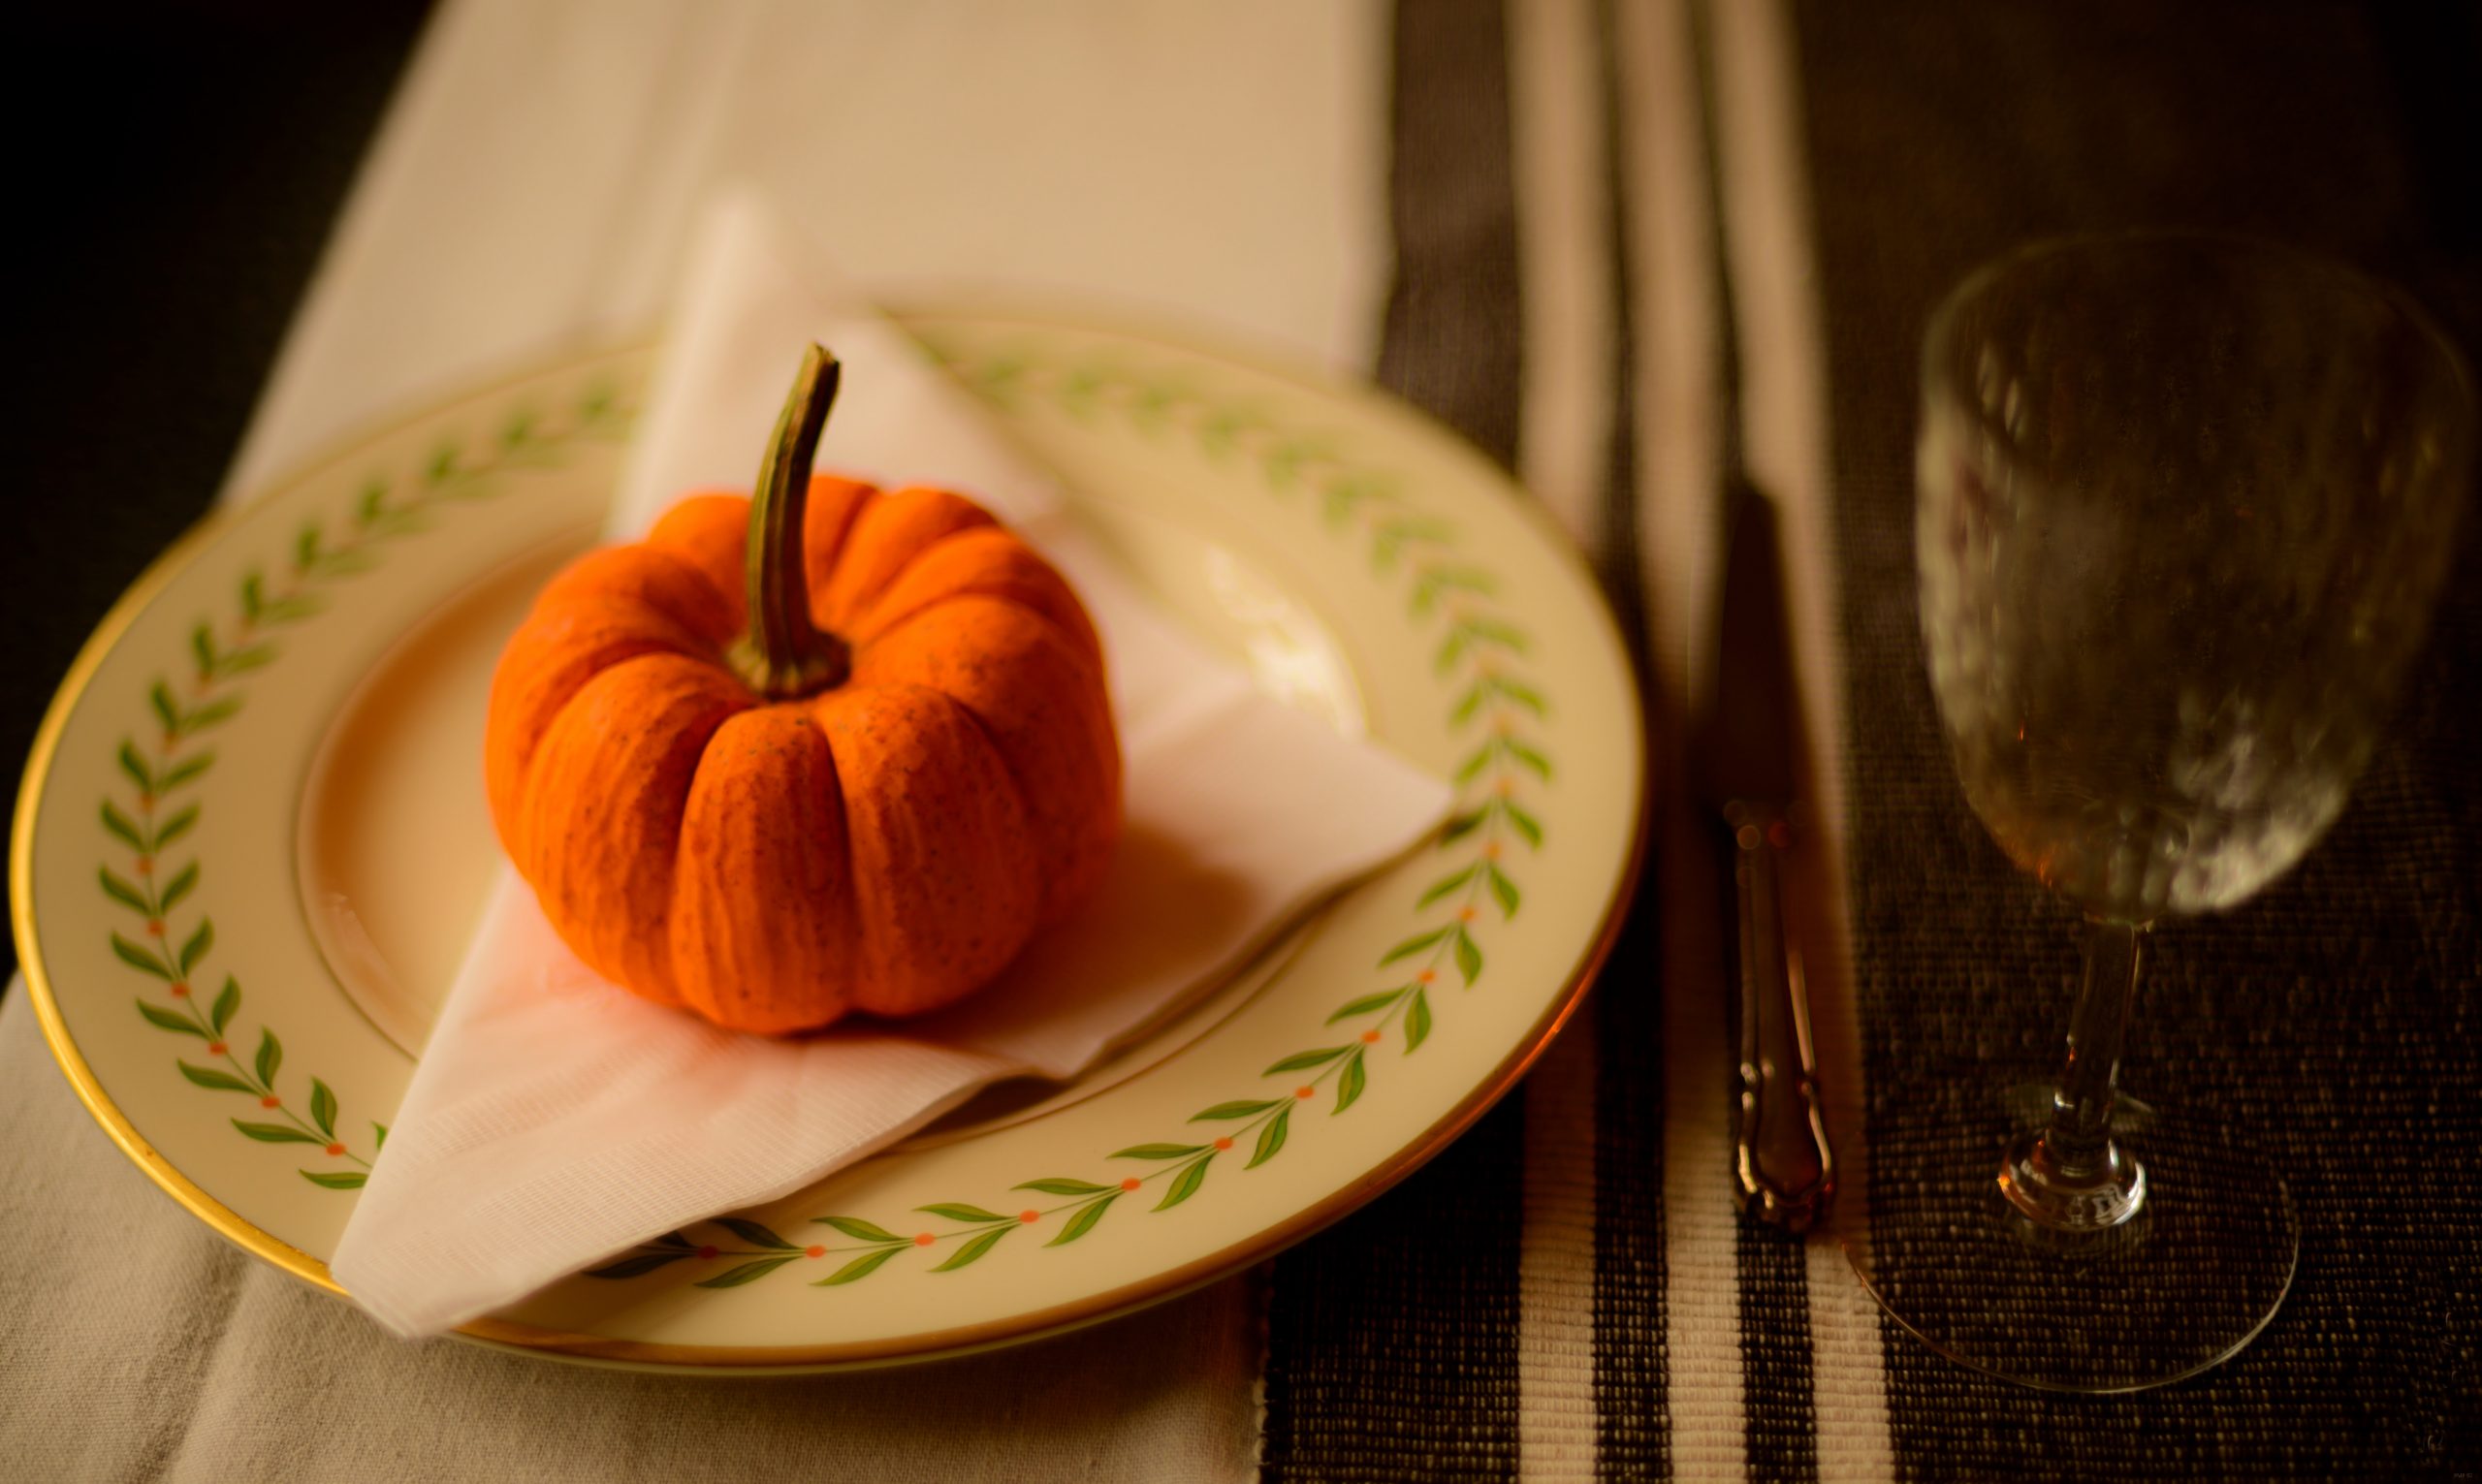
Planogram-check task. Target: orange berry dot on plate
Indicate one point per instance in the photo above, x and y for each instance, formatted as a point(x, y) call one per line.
point(155, 925)
point(1129, 1184)
point(1305, 1091)
point(215, 1048)
point(270, 1103)
point(145, 864)
point(181, 992)
point(706, 1252)
point(1371, 1035)
point(1223, 1144)
point(1464, 914)
point(923, 1239)
point(816, 1251)
point(334, 1150)
point(1029, 1218)
point(1425, 976)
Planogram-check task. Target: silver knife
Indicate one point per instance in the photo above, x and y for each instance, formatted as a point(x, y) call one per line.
point(1750, 760)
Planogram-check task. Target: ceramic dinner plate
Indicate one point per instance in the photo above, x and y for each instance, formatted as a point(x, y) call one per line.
point(252, 843)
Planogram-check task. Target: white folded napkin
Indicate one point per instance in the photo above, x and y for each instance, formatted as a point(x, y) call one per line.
point(556, 1119)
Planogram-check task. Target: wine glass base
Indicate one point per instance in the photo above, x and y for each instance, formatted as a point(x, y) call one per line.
point(2181, 1287)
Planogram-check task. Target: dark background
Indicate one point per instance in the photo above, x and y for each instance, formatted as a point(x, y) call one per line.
point(178, 168)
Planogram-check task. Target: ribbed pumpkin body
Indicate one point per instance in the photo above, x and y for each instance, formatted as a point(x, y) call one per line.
point(887, 845)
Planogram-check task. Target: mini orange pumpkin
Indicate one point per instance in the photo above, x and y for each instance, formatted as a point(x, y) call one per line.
point(828, 749)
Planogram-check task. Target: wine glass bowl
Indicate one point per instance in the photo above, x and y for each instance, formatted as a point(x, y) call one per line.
point(2184, 504)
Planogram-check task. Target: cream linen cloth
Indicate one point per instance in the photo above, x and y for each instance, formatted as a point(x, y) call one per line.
point(185, 1359)
point(530, 187)
point(556, 1119)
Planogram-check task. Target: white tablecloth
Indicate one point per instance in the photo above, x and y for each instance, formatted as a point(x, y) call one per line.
point(141, 1345)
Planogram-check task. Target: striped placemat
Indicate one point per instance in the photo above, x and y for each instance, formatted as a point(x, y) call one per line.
point(1566, 1292)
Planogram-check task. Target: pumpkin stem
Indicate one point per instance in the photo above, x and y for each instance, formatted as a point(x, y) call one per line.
point(784, 655)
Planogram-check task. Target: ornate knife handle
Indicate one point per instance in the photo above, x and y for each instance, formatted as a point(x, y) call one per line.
point(1784, 1166)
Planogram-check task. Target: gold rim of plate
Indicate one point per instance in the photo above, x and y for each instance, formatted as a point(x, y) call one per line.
point(592, 1349)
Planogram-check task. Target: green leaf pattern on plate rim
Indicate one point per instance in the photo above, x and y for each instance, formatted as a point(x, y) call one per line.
point(1479, 662)
point(188, 704)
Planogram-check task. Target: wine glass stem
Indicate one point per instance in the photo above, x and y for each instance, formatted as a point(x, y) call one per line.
point(2089, 1078)
point(2074, 1176)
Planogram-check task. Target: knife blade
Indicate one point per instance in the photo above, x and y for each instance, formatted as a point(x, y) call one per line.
point(1750, 759)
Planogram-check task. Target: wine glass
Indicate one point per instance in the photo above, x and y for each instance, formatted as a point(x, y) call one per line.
point(2185, 503)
